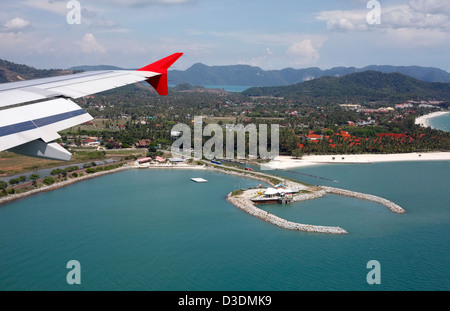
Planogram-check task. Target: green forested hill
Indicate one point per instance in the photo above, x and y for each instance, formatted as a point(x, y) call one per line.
point(363, 86)
point(10, 72)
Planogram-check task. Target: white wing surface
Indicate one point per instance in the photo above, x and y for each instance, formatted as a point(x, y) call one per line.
point(30, 128)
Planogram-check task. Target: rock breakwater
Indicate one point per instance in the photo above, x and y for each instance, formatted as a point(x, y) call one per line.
point(363, 196)
point(247, 206)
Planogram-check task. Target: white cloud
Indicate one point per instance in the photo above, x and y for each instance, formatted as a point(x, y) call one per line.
point(345, 25)
point(15, 25)
point(303, 53)
point(417, 14)
point(90, 45)
point(302, 48)
point(260, 61)
point(344, 21)
point(409, 18)
point(57, 7)
point(430, 6)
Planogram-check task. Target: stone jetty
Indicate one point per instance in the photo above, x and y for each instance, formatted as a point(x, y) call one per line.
point(363, 196)
point(243, 201)
point(247, 206)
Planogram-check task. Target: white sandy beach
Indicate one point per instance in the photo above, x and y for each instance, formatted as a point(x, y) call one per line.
point(286, 162)
point(424, 120)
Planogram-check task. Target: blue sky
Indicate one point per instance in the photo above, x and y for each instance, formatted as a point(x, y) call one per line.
point(271, 34)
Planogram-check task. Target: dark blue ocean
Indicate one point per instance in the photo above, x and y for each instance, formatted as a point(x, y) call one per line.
point(158, 230)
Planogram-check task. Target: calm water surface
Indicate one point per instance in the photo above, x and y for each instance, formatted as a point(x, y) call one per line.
point(157, 230)
point(441, 122)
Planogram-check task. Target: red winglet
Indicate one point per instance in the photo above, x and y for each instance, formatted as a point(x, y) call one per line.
point(159, 82)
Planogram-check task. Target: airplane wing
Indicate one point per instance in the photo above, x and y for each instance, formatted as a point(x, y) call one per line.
point(33, 111)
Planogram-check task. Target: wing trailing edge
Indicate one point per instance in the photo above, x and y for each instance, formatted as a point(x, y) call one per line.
point(31, 129)
point(40, 149)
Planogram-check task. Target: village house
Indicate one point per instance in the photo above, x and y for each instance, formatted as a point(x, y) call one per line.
point(312, 136)
point(143, 143)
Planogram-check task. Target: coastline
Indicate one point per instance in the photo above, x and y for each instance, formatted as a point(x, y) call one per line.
point(280, 163)
point(424, 121)
point(242, 201)
point(61, 184)
point(286, 162)
point(69, 181)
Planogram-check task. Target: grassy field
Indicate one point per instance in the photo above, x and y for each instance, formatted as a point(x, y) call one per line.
point(12, 163)
point(97, 125)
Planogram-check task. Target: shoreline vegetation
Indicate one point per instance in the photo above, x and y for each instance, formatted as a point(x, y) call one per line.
point(60, 184)
point(242, 197)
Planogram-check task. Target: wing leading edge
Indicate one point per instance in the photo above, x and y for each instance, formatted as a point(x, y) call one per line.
point(31, 129)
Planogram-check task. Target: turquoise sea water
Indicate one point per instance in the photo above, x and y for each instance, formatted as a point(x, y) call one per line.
point(441, 122)
point(157, 230)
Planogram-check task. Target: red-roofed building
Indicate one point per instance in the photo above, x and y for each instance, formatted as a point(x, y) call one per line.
point(314, 137)
point(160, 160)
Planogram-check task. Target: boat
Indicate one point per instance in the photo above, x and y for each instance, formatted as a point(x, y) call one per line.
point(199, 180)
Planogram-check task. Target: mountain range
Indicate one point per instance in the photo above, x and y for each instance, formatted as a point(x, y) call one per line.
point(372, 83)
point(244, 75)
